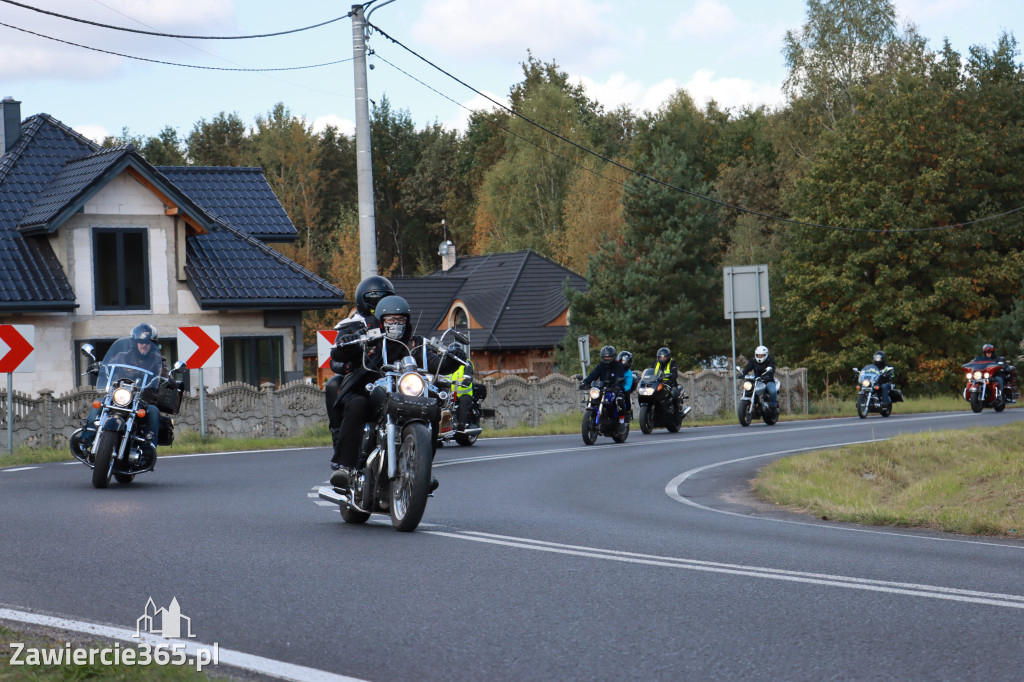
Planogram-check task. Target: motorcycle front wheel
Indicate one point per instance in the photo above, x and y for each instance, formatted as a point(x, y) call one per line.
point(743, 412)
point(976, 402)
point(104, 459)
point(645, 419)
point(410, 488)
point(589, 429)
point(862, 406)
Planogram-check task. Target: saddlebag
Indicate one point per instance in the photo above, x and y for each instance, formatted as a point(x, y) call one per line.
point(479, 391)
point(168, 398)
point(166, 436)
point(406, 408)
point(895, 395)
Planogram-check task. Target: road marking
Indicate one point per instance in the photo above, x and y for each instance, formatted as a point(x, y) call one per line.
point(19, 469)
point(672, 490)
point(230, 657)
point(1011, 601)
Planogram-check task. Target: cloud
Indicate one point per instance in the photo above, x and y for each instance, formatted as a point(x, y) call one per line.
point(708, 20)
point(460, 121)
point(96, 133)
point(499, 30)
point(619, 90)
point(344, 125)
point(733, 93)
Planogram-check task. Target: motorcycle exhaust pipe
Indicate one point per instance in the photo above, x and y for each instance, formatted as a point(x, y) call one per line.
point(475, 431)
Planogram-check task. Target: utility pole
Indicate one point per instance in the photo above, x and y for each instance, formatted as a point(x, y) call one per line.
point(364, 159)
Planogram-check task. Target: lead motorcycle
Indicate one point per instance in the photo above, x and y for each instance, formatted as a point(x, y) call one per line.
point(601, 417)
point(114, 445)
point(394, 471)
point(753, 403)
point(982, 390)
point(869, 390)
point(657, 406)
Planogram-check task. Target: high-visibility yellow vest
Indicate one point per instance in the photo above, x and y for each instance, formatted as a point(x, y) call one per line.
point(668, 369)
point(455, 377)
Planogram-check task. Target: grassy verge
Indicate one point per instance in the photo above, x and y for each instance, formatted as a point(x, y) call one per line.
point(968, 481)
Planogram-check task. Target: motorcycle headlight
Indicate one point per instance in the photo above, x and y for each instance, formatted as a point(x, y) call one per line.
point(122, 397)
point(968, 376)
point(646, 391)
point(411, 384)
point(865, 383)
point(595, 393)
point(747, 385)
point(987, 375)
point(977, 374)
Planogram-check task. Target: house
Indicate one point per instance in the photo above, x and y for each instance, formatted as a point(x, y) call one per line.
point(511, 305)
point(94, 241)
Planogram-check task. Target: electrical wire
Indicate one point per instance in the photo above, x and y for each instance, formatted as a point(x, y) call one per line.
point(172, 35)
point(723, 204)
point(187, 66)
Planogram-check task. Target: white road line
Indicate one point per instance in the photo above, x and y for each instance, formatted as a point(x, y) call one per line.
point(19, 469)
point(237, 659)
point(672, 490)
point(1012, 601)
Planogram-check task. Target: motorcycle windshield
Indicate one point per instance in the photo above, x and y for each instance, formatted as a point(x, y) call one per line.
point(869, 373)
point(124, 361)
point(648, 377)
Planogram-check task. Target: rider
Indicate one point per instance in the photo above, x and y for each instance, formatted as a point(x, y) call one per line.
point(885, 376)
point(664, 364)
point(612, 374)
point(763, 366)
point(988, 354)
point(346, 399)
point(395, 322)
point(462, 383)
point(143, 353)
point(625, 358)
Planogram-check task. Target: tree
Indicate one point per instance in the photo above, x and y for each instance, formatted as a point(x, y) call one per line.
point(220, 142)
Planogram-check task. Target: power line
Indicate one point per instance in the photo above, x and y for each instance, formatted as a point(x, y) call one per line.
point(187, 66)
point(172, 35)
point(696, 195)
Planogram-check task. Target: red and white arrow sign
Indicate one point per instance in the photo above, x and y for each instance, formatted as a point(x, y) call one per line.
point(200, 346)
point(17, 348)
point(324, 344)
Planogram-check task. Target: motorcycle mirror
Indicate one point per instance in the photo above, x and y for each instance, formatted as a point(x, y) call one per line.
point(460, 337)
point(178, 366)
point(88, 348)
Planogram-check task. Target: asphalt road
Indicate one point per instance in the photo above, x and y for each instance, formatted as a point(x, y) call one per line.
point(538, 559)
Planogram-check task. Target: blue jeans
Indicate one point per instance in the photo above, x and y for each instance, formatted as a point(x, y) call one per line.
point(773, 392)
point(884, 388)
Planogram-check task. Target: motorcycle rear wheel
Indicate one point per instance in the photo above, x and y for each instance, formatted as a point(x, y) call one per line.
point(589, 429)
point(976, 403)
point(465, 438)
point(862, 406)
point(622, 434)
point(645, 419)
point(885, 410)
point(676, 422)
point(1000, 405)
point(770, 415)
point(351, 515)
point(124, 479)
point(104, 459)
point(410, 488)
point(743, 412)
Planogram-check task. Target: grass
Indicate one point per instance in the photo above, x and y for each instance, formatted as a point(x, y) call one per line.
point(969, 482)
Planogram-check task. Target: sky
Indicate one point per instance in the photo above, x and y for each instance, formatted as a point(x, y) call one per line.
point(632, 53)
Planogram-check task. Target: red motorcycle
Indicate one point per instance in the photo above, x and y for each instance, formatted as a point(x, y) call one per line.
point(983, 391)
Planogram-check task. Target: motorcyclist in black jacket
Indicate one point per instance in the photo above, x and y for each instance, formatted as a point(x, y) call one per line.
point(885, 376)
point(612, 374)
point(763, 366)
point(988, 354)
point(395, 321)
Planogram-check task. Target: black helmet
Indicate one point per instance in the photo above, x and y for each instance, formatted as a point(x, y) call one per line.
point(369, 293)
point(390, 306)
point(664, 354)
point(145, 333)
point(879, 357)
point(988, 348)
point(626, 358)
point(607, 355)
point(458, 350)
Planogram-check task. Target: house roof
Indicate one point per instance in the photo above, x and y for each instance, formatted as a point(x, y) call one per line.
point(513, 296)
point(52, 171)
point(240, 197)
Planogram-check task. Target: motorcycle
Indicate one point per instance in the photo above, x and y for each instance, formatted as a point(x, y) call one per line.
point(601, 417)
point(113, 445)
point(394, 471)
point(448, 430)
point(657, 406)
point(869, 391)
point(982, 390)
point(753, 403)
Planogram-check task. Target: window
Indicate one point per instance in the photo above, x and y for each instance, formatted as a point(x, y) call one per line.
point(120, 268)
point(460, 318)
point(253, 360)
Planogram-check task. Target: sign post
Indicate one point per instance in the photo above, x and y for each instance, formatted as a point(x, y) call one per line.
point(584, 345)
point(17, 354)
point(746, 297)
point(201, 348)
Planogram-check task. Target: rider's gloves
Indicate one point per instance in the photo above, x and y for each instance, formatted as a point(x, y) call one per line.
point(346, 338)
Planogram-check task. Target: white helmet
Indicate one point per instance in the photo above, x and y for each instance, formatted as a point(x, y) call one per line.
point(761, 353)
